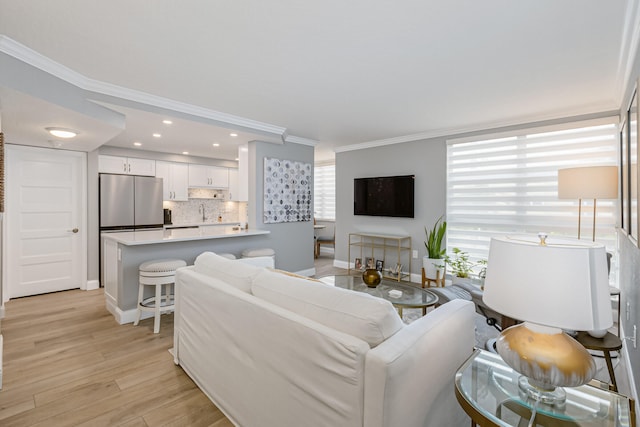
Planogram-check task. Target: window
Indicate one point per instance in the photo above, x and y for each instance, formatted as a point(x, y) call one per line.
point(507, 183)
point(324, 192)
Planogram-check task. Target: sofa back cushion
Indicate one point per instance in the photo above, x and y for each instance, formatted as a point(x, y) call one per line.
point(233, 272)
point(361, 315)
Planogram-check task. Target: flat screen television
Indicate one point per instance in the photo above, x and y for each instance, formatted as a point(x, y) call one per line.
point(384, 196)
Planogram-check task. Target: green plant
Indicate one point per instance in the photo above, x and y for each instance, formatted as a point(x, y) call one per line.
point(435, 236)
point(460, 264)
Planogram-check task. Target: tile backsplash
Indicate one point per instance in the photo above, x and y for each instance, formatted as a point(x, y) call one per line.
point(190, 212)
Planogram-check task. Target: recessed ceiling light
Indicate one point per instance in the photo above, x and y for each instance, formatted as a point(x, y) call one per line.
point(156, 135)
point(215, 144)
point(185, 152)
point(233, 134)
point(237, 159)
point(167, 122)
point(137, 144)
point(62, 132)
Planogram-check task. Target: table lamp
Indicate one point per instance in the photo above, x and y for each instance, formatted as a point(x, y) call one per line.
point(591, 182)
point(550, 285)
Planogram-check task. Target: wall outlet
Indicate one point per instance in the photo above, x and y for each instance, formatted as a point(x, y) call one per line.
point(415, 254)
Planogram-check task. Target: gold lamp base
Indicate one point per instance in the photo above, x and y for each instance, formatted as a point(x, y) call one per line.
point(547, 357)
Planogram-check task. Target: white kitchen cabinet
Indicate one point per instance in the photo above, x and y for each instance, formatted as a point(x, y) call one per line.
point(126, 165)
point(208, 176)
point(242, 193)
point(233, 185)
point(175, 180)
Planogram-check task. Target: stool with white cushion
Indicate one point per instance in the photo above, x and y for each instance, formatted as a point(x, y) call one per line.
point(259, 252)
point(157, 273)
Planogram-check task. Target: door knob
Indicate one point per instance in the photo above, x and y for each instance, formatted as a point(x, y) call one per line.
point(75, 230)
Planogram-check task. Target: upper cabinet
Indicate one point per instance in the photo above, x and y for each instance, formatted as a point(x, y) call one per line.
point(175, 180)
point(126, 165)
point(208, 176)
point(233, 185)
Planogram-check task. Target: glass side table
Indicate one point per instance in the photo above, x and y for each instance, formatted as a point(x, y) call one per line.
point(487, 389)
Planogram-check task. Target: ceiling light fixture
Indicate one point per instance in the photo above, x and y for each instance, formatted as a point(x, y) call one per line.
point(185, 152)
point(137, 144)
point(215, 144)
point(233, 134)
point(62, 132)
point(167, 122)
point(156, 135)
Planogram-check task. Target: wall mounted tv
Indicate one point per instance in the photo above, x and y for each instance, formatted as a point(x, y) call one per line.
point(384, 196)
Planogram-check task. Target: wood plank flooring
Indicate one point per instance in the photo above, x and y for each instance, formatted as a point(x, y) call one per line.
point(68, 363)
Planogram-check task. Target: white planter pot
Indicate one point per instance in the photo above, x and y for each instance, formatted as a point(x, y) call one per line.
point(432, 266)
point(455, 280)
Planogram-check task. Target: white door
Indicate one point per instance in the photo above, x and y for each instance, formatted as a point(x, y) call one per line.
point(46, 221)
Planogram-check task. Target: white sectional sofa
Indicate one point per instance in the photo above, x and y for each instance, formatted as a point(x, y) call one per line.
point(275, 350)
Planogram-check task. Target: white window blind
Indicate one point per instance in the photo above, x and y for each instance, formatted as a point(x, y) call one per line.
point(507, 183)
point(324, 192)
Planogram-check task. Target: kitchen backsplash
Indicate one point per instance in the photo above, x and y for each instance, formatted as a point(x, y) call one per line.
point(190, 212)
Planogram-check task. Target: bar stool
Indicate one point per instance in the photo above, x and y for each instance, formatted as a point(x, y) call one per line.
point(157, 273)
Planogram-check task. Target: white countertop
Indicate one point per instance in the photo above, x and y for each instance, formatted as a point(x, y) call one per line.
point(148, 237)
point(201, 224)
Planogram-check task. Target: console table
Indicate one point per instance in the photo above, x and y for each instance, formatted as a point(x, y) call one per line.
point(487, 390)
point(391, 249)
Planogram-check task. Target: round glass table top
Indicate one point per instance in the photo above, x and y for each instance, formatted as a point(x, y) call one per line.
point(398, 293)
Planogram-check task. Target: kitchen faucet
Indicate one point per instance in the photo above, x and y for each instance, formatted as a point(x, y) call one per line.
point(202, 210)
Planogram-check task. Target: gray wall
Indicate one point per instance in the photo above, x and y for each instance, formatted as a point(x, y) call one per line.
point(630, 260)
point(424, 159)
point(427, 159)
point(292, 241)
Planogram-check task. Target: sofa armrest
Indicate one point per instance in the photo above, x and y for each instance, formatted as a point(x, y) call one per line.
point(409, 378)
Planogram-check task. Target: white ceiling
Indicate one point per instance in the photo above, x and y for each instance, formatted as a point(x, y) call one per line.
point(340, 73)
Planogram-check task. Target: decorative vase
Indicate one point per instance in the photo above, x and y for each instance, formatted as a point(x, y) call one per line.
point(371, 277)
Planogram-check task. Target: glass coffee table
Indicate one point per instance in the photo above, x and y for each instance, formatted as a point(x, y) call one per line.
point(411, 297)
point(487, 389)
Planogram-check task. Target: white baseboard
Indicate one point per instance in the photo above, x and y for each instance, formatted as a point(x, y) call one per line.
point(124, 316)
point(92, 285)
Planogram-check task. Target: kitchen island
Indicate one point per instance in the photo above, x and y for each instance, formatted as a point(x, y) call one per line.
point(123, 252)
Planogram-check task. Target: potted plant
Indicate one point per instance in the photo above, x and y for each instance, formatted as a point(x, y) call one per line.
point(461, 266)
point(431, 262)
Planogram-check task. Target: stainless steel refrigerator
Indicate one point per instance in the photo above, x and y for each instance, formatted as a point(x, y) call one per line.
point(130, 202)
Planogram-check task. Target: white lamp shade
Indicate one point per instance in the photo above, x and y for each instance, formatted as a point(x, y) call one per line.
point(563, 284)
point(592, 182)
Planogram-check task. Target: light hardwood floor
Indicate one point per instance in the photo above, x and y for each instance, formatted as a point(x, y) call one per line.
point(68, 363)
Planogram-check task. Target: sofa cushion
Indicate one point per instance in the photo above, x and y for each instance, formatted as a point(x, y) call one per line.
point(233, 272)
point(358, 314)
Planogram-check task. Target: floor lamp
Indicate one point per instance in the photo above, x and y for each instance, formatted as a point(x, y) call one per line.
point(592, 182)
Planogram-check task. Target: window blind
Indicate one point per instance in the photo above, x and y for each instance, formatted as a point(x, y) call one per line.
point(324, 192)
point(507, 183)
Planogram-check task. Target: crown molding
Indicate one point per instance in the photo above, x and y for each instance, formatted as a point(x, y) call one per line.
point(299, 140)
point(628, 50)
point(39, 61)
point(487, 127)
point(46, 64)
